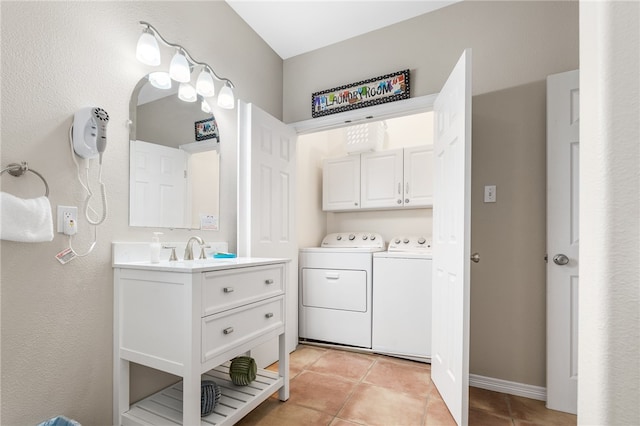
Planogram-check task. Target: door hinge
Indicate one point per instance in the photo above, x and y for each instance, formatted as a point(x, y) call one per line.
point(546, 258)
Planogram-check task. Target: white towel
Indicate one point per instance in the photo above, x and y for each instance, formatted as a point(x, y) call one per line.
point(25, 221)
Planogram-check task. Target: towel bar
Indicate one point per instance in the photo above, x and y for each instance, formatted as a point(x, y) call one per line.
point(17, 170)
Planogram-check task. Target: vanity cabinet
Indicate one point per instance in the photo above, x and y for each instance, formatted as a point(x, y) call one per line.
point(191, 322)
point(398, 178)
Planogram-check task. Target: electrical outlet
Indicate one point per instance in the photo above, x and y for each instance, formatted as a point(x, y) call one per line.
point(67, 220)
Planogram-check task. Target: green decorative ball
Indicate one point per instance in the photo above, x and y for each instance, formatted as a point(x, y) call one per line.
point(243, 370)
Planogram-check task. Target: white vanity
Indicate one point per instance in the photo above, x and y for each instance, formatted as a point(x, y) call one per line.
point(190, 318)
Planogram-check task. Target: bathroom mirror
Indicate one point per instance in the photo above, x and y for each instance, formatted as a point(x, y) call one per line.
point(174, 167)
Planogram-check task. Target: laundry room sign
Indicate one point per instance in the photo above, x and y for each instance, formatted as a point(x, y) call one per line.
point(378, 90)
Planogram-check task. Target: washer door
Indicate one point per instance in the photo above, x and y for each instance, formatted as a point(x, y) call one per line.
point(339, 289)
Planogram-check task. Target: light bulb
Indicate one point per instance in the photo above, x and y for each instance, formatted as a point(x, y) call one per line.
point(160, 80)
point(187, 93)
point(204, 84)
point(226, 99)
point(147, 50)
point(205, 107)
point(179, 68)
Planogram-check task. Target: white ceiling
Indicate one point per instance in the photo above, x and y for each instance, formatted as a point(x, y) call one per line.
point(294, 27)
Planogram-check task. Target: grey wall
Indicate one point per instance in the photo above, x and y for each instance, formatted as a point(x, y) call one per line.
point(168, 121)
point(515, 46)
point(57, 57)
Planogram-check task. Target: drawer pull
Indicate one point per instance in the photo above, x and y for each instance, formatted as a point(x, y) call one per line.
point(269, 281)
point(228, 330)
point(268, 315)
point(228, 290)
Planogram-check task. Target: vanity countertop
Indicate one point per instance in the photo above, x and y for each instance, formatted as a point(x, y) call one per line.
point(134, 255)
point(199, 265)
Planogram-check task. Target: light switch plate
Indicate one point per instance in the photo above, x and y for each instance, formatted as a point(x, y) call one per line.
point(490, 194)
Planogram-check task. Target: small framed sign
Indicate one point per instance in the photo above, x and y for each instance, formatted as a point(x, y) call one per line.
point(207, 129)
point(386, 88)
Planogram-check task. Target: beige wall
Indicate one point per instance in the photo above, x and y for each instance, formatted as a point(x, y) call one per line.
point(57, 57)
point(515, 46)
point(513, 42)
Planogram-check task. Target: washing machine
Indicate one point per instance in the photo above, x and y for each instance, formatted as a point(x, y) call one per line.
point(402, 298)
point(335, 297)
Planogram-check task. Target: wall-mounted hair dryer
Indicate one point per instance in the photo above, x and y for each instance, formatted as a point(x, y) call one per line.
point(90, 132)
point(88, 139)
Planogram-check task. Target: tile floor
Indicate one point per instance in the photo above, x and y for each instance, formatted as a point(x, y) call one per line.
point(342, 388)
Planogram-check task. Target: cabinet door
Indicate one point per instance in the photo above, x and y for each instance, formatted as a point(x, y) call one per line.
point(381, 174)
point(418, 176)
point(341, 183)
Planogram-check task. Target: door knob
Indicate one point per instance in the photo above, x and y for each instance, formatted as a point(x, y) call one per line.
point(560, 259)
point(475, 257)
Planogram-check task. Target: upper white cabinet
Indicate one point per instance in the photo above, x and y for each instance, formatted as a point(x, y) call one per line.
point(341, 183)
point(381, 178)
point(399, 178)
point(418, 176)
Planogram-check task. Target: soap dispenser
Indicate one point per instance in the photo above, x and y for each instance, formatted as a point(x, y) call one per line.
point(155, 247)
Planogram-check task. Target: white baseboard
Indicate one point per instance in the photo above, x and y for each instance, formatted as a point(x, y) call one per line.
point(505, 386)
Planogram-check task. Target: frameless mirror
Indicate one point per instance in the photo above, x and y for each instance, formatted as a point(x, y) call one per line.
point(174, 161)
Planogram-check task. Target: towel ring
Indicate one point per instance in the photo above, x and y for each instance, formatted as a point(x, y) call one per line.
point(18, 170)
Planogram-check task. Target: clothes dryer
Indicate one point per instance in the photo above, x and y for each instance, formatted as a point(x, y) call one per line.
point(402, 299)
point(335, 297)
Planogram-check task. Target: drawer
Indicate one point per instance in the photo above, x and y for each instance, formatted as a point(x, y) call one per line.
point(223, 290)
point(223, 331)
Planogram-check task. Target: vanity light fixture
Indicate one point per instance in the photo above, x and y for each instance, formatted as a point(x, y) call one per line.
point(182, 63)
point(179, 68)
point(147, 50)
point(187, 93)
point(205, 107)
point(160, 80)
point(225, 98)
point(204, 84)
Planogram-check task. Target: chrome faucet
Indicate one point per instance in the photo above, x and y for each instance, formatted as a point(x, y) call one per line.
point(188, 251)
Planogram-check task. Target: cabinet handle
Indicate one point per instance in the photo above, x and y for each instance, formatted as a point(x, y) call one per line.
point(269, 281)
point(228, 289)
point(268, 315)
point(228, 330)
point(399, 201)
point(406, 187)
point(399, 188)
point(406, 201)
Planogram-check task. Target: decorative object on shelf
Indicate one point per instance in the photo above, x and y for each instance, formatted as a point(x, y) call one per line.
point(207, 129)
point(243, 370)
point(181, 65)
point(374, 91)
point(209, 396)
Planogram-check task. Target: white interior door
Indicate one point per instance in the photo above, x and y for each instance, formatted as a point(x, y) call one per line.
point(158, 189)
point(451, 240)
point(266, 206)
point(563, 149)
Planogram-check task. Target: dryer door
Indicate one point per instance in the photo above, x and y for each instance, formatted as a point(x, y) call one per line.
point(338, 289)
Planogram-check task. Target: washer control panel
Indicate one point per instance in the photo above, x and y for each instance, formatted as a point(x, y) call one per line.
point(353, 240)
point(416, 244)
